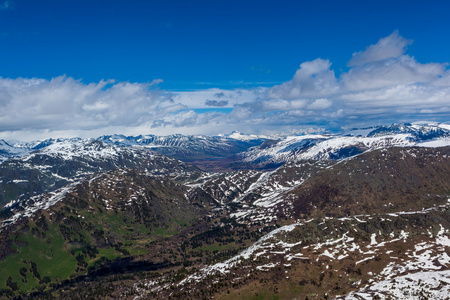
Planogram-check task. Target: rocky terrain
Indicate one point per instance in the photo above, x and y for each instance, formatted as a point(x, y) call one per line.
point(362, 215)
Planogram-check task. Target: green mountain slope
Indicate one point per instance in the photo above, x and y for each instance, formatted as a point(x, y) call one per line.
point(113, 215)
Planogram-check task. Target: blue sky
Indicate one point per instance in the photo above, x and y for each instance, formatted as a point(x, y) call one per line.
point(212, 66)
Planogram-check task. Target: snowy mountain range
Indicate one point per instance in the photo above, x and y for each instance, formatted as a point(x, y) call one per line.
point(274, 153)
point(262, 150)
point(177, 145)
point(356, 215)
point(67, 161)
point(40, 166)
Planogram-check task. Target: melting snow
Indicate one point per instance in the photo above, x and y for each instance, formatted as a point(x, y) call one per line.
point(420, 285)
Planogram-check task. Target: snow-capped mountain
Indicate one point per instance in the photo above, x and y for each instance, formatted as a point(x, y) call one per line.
point(18, 149)
point(9, 151)
point(67, 161)
point(236, 135)
point(47, 165)
point(126, 222)
point(256, 151)
point(186, 147)
point(419, 131)
point(335, 147)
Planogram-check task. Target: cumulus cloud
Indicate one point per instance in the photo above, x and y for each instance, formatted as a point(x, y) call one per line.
point(403, 70)
point(387, 84)
point(385, 65)
point(383, 84)
point(312, 79)
point(391, 46)
point(65, 103)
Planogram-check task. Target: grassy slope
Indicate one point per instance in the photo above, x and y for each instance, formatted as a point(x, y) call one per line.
point(83, 231)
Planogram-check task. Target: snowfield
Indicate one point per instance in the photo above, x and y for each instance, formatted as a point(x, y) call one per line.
point(415, 286)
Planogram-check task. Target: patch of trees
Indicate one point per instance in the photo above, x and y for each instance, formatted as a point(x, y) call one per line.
point(12, 284)
point(34, 270)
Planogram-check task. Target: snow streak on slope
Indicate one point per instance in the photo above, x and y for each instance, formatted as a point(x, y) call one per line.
point(343, 242)
point(36, 203)
point(256, 195)
point(415, 286)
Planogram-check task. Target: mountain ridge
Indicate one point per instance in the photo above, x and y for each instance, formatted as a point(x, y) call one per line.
point(127, 222)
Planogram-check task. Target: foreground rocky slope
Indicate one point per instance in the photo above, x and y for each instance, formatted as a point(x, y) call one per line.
point(348, 230)
point(316, 229)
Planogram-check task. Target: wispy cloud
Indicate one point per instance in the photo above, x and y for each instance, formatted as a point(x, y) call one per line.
point(5, 5)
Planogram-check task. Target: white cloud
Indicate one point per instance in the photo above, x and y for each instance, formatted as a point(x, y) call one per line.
point(321, 103)
point(64, 103)
point(391, 72)
point(391, 46)
point(383, 85)
point(312, 79)
point(270, 105)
